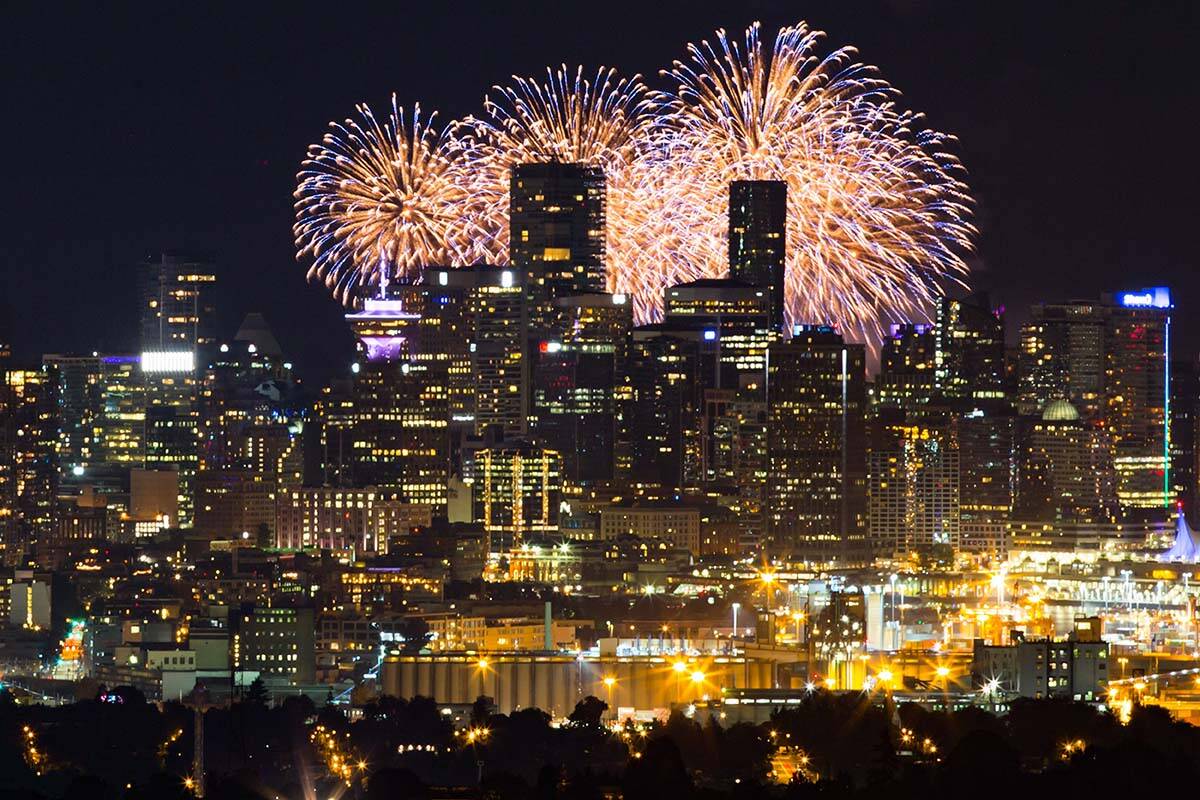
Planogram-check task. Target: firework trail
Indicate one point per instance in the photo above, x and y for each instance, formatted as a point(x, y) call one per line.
point(376, 202)
point(878, 214)
point(602, 120)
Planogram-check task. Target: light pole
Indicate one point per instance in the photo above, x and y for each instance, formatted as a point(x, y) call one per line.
point(609, 683)
point(680, 667)
point(797, 617)
point(736, 606)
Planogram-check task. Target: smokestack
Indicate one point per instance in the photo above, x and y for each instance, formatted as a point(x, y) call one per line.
point(548, 635)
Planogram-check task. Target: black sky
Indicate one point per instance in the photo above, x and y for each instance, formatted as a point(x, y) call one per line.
point(181, 125)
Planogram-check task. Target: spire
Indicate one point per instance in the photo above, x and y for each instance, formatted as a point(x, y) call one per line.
point(1185, 548)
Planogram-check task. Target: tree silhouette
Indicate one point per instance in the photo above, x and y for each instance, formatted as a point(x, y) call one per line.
point(588, 712)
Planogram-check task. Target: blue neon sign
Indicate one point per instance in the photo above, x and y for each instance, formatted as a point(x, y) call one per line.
point(1156, 297)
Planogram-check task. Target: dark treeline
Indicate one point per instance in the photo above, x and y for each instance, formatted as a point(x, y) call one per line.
point(853, 746)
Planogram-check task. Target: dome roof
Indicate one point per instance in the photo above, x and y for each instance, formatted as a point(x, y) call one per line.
point(1059, 411)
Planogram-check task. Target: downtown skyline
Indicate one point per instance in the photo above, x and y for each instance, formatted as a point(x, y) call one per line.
point(1054, 196)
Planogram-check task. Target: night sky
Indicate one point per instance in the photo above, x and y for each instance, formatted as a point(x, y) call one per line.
point(181, 126)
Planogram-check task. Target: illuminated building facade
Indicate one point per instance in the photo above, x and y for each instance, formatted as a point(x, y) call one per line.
point(556, 233)
point(28, 455)
point(733, 319)
point(734, 452)
point(471, 326)
point(177, 336)
point(398, 420)
point(671, 522)
point(757, 240)
point(665, 407)
point(231, 502)
point(1062, 355)
point(79, 396)
point(120, 427)
point(987, 478)
point(1138, 398)
point(399, 434)
point(1065, 472)
point(816, 446)
point(276, 641)
point(913, 490)
point(518, 493)
point(907, 367)
point(969, 349)
point(579, 391)
point(344, 519)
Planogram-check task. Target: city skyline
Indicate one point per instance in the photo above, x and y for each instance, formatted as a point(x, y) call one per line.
point(642, 435)
point(1018, 167)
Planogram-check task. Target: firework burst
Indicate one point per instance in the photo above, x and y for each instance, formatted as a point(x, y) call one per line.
point(878, 215)
point(603, 120)
point(376, 201)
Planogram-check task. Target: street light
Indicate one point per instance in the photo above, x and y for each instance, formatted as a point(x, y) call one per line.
point(736, 606)
point(797, 617)
point(609, 683)
point(680, 667)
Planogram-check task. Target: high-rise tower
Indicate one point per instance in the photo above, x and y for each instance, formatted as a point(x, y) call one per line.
point(556, 219)
point(757, 239)
point(816, 446)
point(177, 335)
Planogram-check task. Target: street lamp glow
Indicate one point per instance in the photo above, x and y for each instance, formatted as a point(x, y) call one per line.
point(885, 675)
point(943, 671)
point(697, 677)
point(679, 666)
point(610, 681)
point(483, 663)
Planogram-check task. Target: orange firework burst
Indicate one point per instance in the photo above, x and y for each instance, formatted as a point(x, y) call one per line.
point(877, 210)
point(378, 201)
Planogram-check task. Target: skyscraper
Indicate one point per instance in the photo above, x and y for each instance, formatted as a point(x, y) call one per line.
point(987, 478)
point(906, 368)
point(176, 304)
point(120, 428)
point(79, 399)
point(665, 396)
point(1064, 469)
point(816, 472)
point(399, 413)
point(913, 490)
point(969, 349)
point(1062, 356)
point(734, 320)
point(757, 239)
point(473, 321)
point(578, 384)
point(28, 469)
point(556, 229)
point(1138, 358)
point(177, 338)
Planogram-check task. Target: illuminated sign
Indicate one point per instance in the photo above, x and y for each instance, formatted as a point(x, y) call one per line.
point(710, 335)
point(1156, 297)
point(156, 361)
